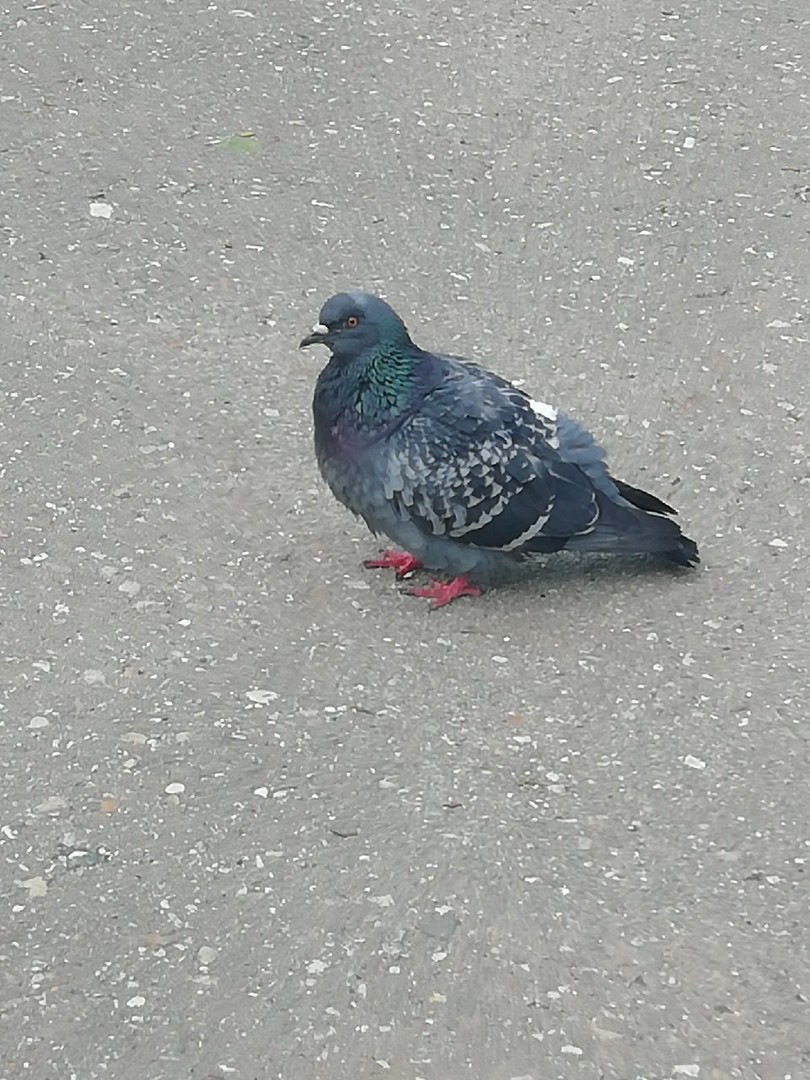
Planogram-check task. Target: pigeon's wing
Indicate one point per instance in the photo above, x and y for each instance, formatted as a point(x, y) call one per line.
point(570, 439)
point(575, 444)
point(479, 463)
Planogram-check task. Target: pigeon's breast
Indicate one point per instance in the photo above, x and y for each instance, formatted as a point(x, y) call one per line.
point(336, 437)
point(345, 459)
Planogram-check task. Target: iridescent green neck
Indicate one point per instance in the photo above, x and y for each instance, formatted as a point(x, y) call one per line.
point(385, 385)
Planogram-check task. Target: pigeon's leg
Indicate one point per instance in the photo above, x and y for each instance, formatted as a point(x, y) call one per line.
point(442, 592)
point(400, 561)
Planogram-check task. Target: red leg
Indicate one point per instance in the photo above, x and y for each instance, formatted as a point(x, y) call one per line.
point(442, 592)
point(400, 561)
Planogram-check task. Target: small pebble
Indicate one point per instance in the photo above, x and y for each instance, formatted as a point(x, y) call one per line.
point(261, 697)
point(37, 886)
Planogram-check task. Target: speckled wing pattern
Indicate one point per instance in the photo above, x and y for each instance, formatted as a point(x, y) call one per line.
point(481, 463)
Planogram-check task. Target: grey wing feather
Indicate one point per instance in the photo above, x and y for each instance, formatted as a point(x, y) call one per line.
point(580, 448)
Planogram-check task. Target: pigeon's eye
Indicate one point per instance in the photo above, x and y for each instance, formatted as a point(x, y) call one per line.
point(352, 321)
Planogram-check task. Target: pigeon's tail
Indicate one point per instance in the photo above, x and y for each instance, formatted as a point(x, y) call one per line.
point(643, 499)
point(623, 530)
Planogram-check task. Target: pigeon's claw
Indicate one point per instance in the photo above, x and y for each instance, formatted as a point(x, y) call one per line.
point(442, 592)
point(400, 561)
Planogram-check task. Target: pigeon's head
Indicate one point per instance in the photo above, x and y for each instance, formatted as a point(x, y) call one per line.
point(352, 323)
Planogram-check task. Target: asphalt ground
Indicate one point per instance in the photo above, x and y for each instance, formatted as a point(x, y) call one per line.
point(265, 816)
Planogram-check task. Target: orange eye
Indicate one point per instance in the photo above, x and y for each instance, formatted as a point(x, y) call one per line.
point(352, 321)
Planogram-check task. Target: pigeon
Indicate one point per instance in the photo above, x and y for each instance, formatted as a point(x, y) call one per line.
point(465, 472)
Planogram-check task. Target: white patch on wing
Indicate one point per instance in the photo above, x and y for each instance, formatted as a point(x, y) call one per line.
point(545, 412)
point(548, 415)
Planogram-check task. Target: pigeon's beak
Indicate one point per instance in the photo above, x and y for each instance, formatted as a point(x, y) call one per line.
point(317, 337)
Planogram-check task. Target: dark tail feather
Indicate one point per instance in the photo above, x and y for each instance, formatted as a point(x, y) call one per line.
point(623, 531)
point(686, 553)
point(643, 499)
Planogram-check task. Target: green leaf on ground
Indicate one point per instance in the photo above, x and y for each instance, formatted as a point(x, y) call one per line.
point(245, 142)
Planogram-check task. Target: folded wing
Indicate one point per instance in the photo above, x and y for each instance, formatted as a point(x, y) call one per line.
point(480, 464)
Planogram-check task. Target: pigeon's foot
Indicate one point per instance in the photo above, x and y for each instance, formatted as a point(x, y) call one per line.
point(400, 561)
point(442, 592)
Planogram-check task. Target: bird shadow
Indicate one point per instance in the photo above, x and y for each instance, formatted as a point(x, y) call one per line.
point(576, 574)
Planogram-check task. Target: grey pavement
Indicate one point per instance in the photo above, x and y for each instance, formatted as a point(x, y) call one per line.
point(265, 816)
